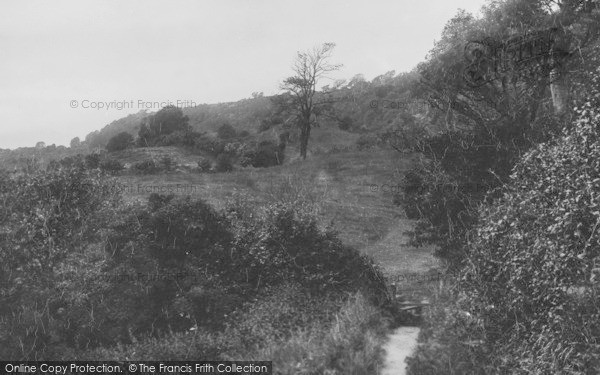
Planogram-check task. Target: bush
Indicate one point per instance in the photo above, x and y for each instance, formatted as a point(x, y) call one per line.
point(167, 163)
point(536, 254)
point(92, 161)
point(367, 141)
point(226, 131)
point(262, 155)
point(165, 126)
point(48, 218)
point(224, 163)
point(531, 278)
point(204, 165)
point(292, 247)
point(268, 154)
point(112, 166)
point(346, 123)
point(153, 272)
point(145, 167)
point(119, 142)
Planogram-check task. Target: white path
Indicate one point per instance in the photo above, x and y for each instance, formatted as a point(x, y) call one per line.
point(400, 345)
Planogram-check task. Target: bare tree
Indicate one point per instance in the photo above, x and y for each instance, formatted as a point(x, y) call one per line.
point(309, 67)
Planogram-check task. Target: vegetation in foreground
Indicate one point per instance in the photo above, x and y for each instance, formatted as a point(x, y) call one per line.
point(86, 276)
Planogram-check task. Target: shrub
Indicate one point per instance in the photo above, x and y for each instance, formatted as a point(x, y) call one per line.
point(224, 163)
point(112, 166)
point(226, 131)
point(346, 123)
point(292, 247)
point(167, 163)
point(367, 141)
point(155, 271)
point(155, 128)
point(530, 281)
point(92, 161)
point(176, 138)
point(119, 142)
point(204, 165)
point(48, 218)
point(268, 154)
point(536, 252)
point(145, 167)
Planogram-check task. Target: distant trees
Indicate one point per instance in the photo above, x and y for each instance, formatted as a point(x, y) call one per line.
point(40, 144)
point(309, 68)
point(119, 142)
point(167, 121)
point(226, 131)
point(75, 142)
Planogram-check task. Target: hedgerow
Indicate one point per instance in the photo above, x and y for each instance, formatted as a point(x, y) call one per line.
point(531, 281)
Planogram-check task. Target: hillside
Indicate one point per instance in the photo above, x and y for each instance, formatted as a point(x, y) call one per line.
point(359, 107)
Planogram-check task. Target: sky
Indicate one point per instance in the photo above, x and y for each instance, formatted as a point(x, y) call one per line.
point(69, 67)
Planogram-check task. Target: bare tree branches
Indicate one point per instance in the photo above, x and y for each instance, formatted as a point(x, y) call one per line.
point(309, 68)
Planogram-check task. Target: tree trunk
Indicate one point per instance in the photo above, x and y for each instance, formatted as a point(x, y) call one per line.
point(304, 134)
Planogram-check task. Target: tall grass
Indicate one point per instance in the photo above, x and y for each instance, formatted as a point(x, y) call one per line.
point(296, 189)
point(350, 345)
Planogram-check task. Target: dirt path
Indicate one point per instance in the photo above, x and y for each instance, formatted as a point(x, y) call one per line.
point(399, 346)
point(397, 258)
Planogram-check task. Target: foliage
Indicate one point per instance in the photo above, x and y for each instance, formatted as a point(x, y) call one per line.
point(75, 142)
point(226, 131)
point(204, 165)
point(346, 123)
point(264, 154)
point(530, 282)
point(145, 167)
point(479, 133)
point(155, 271)
point(156, 128)
point(46, 216)
point(119, 142)
point(367, 141)
point(167, 163)
point(224, 163)
point(92, 161)
point(112, 166)
point(309, 68)
point(535, 256)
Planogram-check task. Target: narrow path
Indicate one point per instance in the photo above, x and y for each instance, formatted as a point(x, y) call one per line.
point(397, 258)
point(400, 345)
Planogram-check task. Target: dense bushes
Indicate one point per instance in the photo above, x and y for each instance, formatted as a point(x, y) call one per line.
point(536, 256)
point(166, 126)
point(119, 142)
point(80, 270)
point(204, 165)
point(226, 131)
point(224, 163)
point(457, 170)
point(47, 217)
point(112, 166)
point(264, 154)
point(530, 283)
point(145, 167)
